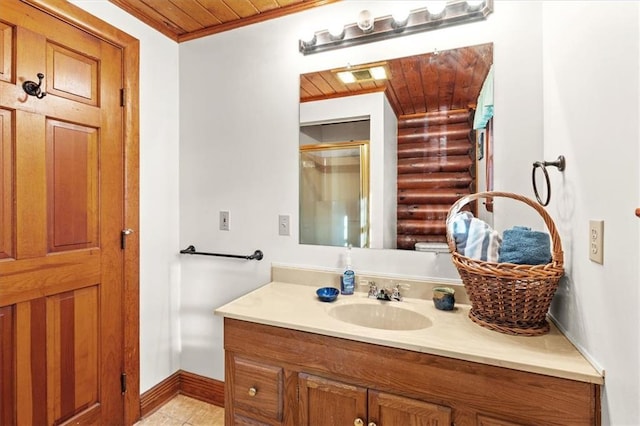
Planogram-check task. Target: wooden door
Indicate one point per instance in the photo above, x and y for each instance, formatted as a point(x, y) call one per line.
point(62, 192)
point(387, 410)
point(325, 402)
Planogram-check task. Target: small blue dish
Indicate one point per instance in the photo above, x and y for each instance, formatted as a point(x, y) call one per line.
point(327, 294)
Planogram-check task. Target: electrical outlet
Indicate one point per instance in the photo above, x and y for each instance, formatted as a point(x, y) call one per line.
point(224, 221)
point(596, 241)
point(283, 225)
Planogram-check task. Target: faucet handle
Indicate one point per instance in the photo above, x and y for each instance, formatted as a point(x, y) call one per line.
point(396, 290)
point(373, 288)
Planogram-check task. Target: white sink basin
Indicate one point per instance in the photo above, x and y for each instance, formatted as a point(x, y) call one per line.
point(383, 315)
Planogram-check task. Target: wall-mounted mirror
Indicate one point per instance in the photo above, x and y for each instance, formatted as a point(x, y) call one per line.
point(427, 119)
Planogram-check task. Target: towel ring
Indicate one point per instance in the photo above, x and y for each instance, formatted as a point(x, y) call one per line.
point(560, 163)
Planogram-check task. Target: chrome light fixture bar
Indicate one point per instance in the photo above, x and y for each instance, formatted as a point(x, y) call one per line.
point(456, 12)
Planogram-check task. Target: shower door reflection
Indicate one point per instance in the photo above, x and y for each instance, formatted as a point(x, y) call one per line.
point(334, 194)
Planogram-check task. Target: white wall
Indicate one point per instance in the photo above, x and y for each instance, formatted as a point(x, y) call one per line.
point(159, 226)
point(591, 109)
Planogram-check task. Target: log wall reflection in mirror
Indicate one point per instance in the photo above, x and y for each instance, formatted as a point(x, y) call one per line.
point(439, 152)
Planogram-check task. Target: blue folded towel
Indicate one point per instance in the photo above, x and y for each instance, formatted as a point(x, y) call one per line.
point(475, 238)
point(522, 246)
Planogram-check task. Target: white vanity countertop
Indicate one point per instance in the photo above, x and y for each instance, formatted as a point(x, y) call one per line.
point(452, 334)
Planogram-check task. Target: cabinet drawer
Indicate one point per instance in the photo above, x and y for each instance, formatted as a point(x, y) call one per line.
point(257, 388)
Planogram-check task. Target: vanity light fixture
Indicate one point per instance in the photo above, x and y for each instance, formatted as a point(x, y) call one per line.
point(451, 12)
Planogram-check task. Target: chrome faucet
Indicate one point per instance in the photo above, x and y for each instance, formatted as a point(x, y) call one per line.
point(390, 294)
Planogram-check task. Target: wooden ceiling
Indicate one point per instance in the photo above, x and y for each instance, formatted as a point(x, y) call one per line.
point(439, 81)
point(183, 20)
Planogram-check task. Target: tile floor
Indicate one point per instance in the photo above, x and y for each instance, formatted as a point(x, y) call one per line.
point(184, 411)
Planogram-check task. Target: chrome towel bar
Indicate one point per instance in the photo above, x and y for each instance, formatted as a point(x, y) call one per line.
point(257, 255)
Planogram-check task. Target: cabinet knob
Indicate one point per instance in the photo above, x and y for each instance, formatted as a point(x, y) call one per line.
point(253, 391)
point(358, 422)
point(372, 424)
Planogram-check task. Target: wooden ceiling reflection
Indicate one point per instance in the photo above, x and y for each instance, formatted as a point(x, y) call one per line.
point(183, 20)
point(438, 81)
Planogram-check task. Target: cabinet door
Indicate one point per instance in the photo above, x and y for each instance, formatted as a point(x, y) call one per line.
point(390, 410)
point(325, 402)
point(484, 420)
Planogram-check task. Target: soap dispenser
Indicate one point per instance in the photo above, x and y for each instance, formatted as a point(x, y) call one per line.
point(348, 279)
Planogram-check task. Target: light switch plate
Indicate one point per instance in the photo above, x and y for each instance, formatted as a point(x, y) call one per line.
point(283, 225)
point(596, 241)
point(224, 221)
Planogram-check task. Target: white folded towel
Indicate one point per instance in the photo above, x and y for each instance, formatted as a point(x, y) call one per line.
point(475, 238)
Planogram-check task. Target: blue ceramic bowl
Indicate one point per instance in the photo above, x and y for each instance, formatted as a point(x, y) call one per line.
point(327, 294)
point(444, 298)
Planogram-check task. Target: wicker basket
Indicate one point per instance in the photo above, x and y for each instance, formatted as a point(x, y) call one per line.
point(505, 297)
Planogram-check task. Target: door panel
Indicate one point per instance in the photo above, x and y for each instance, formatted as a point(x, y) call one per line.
point(7, 374)
point(6, 51)
point(73, 76)
point(6, 181)
point(72, 186)
point(30, 186)
point(61, 283)
point(31, 362)
point(72, 352)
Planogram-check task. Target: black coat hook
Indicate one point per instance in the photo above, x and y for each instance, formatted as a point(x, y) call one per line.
point(33, 89)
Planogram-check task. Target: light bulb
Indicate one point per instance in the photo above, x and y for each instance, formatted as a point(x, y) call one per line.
point(474, 4)
point(308, 38)
point(400, 15)
point(436, 8)
point(346, 77)
point(336, 30)
point(378, 73)
point(365, 21)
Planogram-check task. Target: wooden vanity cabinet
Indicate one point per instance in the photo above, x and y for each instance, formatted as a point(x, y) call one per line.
point(278, 376)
